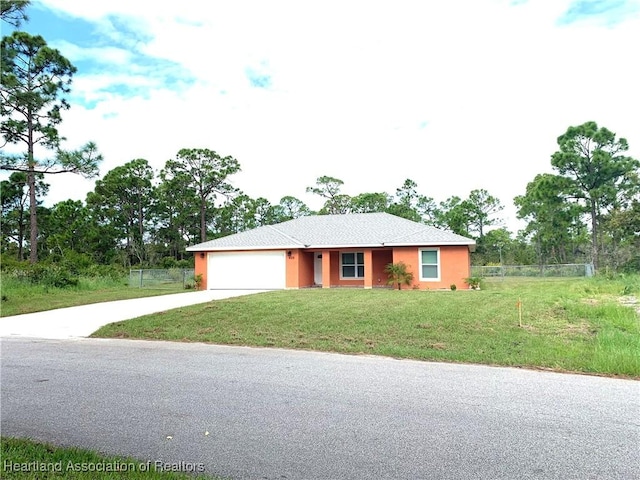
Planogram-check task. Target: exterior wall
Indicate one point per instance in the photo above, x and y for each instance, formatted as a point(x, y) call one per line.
point(306, 269)
point(299, 269)
point(292, 268)
point(454, 266)
point(381, 258)
point(201, 268)
point(336, 281)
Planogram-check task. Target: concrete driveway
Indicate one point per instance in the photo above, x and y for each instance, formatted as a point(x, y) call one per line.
point(82, 321)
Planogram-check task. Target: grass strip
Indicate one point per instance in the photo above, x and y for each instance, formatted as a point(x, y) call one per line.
point(19, 297)
point(28, 460)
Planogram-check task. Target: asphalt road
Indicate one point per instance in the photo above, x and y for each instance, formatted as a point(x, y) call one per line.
point(279, 414)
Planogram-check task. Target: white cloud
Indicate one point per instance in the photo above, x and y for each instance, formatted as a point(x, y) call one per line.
point(454, 95)
point(106, 55)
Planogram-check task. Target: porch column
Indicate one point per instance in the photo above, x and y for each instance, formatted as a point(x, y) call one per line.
point(368, 268)
point(326, 269)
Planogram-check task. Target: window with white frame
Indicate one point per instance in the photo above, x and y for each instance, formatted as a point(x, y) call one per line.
point(430, 264)
point(352, 265)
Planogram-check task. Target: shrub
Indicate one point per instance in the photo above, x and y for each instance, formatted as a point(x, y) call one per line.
point(168, 262)
point(51, 276)
point(197, 279)
point(184, 264)
point(113, 272)
point(473, 282)
point(398, 274)
point(632, 266)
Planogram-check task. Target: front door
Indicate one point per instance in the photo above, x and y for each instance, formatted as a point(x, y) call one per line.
point(317, 268)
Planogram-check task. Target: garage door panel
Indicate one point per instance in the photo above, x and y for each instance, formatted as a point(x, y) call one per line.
point(246, 270)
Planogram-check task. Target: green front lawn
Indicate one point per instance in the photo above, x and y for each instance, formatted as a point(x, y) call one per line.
point(19, 297)
point(567, 324)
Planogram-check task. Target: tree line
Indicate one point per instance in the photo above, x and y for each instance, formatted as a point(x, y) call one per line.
point(587, 211)
point(135, 217)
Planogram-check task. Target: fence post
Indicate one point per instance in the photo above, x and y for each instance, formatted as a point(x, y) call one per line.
point(141, 274)
point(588, 270)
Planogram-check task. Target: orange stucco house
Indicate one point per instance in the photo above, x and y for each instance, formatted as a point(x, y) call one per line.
point(334, 251)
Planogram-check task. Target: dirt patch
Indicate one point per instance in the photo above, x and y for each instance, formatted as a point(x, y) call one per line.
point(630, 301)
point(582, 328)
point(205, 331)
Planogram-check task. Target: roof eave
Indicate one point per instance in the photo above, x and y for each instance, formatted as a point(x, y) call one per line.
point(471, 244)
point(204, 248)
point(349, 245)
point(428, 244)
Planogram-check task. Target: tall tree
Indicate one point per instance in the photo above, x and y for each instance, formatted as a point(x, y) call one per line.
point(236, 215)
point(621, 232)
point(412, 205)
point(123, 200)
point(263, 212)
point(14, 197)
point(453, 214)
point(329, 188)
point(33, 77)
point(207, 172)
point(176, 217)
point(482, 208)
point(494, 247)
point(13, 11)
point(244, 213)
point(69, 227)
point(290, 208)
point(592, 158)
point(554, 224)
point(370, 202)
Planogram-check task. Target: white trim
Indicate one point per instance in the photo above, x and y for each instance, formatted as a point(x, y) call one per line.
point(430, 244)
point(438, 264)
point(355, 266)
point(197, 248)
point(317, 268)
point(342, 247)
point(242, 249)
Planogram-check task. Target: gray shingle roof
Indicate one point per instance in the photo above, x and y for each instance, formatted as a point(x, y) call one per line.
point(326, 231)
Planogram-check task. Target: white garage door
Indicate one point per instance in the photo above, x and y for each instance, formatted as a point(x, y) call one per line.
point(241, 270)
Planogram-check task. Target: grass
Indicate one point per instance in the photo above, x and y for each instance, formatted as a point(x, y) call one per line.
point(28, 460)
point(573, 324)
point(20, 297)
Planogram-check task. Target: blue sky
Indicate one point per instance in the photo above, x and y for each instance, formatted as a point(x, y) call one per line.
point(607, 12)
point(454, 95)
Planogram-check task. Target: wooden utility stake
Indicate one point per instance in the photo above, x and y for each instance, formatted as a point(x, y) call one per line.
point(519, 304)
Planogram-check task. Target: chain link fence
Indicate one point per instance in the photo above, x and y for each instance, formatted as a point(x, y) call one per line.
point(561, 270)
point(172, 278)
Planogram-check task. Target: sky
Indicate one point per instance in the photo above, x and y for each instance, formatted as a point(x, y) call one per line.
point(455, 95)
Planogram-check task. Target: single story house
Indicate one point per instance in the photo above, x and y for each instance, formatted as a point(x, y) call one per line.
point(334, 251)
